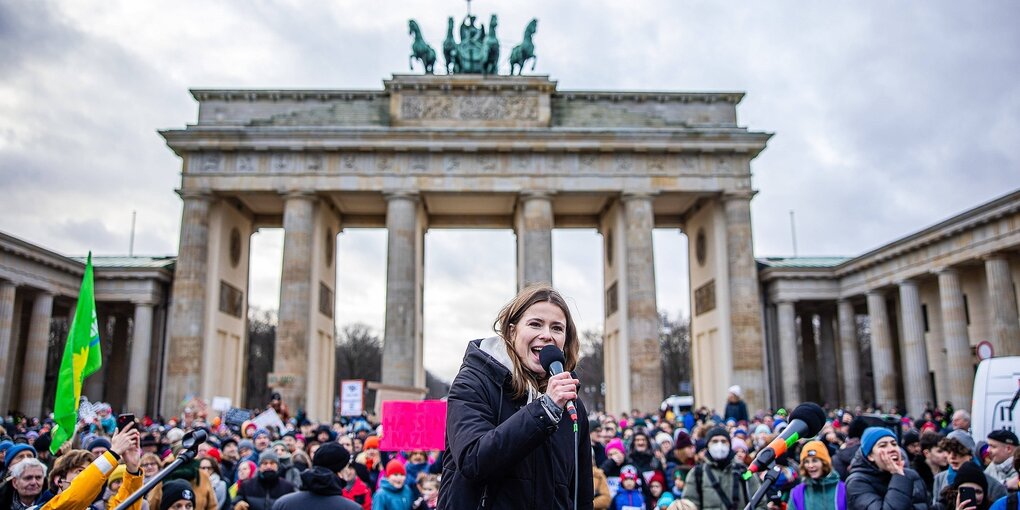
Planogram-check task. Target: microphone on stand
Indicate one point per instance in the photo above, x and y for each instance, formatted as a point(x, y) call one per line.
point(805, 421)
point(189, 448)
point(552, 361)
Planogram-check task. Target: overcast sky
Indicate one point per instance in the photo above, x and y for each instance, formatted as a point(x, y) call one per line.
point(888, 116)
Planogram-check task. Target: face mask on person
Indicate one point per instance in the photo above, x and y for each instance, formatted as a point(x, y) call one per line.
point(719, 451)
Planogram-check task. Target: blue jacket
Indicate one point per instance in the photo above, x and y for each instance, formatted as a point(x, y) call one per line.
point(389, 497)
point(626, 498)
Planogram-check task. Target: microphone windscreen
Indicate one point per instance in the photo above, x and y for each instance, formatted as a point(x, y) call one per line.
point(812, 414)
point(550, 354)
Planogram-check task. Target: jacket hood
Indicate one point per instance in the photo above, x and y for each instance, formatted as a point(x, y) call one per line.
point(490, 358)
point(862, 465)
point(385, 485)
point(828, 480)
point(320, 480)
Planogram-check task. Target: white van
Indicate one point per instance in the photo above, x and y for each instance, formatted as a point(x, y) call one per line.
point(996, 391)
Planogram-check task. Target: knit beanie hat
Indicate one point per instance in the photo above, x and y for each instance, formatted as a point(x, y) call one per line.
point(715, 432)
point(964, 438)
point(246, 443)
point(13, 451)
point(762, 429)
point(657, 476)
point(683, 440)
point(817, 450)
point(663, 437)
point(332, 456)
point(871, 436)
point(628, 472)
point(394, 467)
point(969, 472)
point(372, 443)
point(286, 453)
point(615, 444)
point(174, 491)
point(738, 444)
point(910, 437)
point(259, 432)
point(269, 455)
point(99, 442)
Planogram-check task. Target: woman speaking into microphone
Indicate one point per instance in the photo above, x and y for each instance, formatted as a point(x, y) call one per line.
point(509, 441)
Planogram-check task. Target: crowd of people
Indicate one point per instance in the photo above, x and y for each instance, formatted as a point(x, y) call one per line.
point(517, 436)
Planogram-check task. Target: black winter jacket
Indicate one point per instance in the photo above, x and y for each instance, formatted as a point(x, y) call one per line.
point(870, 488)
point(508, 451)
point(322, 489)
point(260, 497)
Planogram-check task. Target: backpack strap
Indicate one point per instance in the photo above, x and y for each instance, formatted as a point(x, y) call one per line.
point(1012, 501)
point(726, 501)
point(840, 496)
point(700, 485)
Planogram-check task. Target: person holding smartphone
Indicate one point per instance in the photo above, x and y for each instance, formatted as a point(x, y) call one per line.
point(967, 492)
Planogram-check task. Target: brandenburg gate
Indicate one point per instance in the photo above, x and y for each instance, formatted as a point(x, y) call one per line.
point(461, 151)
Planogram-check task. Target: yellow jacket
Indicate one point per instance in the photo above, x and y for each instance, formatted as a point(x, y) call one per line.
point(86, 486)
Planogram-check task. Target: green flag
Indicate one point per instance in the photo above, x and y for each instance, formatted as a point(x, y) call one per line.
point(82, 358)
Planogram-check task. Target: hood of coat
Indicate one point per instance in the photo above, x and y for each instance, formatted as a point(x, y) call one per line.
point(490, 357)
point(828, 480)
point(320, 480)
point(385, 485)
point(862, 465)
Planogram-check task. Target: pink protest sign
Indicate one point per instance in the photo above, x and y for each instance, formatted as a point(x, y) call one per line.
point(413, 425)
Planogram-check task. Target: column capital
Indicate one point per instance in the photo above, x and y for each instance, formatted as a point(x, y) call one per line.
point(628, 196)
point(907, 282)
point(844, 300)
point(299, 194)
point(195, 194)
point(945, 270)
point(995, 255)
point(875, 292)
point(144, 302)
point(526, 195)
point(740, 194)
point(401, 195)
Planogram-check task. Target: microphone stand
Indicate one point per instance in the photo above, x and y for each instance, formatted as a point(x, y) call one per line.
point(770, 478)
point(187, 454)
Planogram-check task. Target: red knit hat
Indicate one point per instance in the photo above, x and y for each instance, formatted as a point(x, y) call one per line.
point(395, 467)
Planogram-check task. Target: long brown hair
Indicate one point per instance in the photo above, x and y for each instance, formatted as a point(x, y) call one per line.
point(508, 317)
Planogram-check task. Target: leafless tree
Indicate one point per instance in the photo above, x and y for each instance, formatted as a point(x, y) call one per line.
point(675, 344)
point(590, 371)
point(261, 344)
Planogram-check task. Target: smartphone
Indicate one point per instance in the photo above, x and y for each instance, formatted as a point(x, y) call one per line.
point(124, 420)
point(967, 494)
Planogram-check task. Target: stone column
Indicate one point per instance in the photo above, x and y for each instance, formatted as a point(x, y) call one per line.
point(400, 342)
point(8, 344)
point(642, 314)
point(534, 224)
point(881, 351)
point(849, 352)
point(913, 354)
point(827, 359)
point(290, 363)
point(954, 331)
point(1002, 297)
point(747, 339)
point(789, 369)
point(183, 369)
point(809, 358)
point(33, 375)
point(138, 369)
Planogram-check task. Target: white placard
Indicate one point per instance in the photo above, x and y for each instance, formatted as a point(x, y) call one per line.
point(221, 404)
point(267, 418)
point(352, 397)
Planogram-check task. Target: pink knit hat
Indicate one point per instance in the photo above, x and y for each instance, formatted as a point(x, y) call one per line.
point(615, 444)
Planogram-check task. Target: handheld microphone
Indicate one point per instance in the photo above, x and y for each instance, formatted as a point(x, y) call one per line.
point(805, 421)
point(552, 361)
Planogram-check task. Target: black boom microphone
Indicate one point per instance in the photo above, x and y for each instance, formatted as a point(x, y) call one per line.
point(805, 421)
point(552, 361)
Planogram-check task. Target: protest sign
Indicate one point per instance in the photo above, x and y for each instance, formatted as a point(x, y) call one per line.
point(413, 425)
point(268, 418)
point(352, 397)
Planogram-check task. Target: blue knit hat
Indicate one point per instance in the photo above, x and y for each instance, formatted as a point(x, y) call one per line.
point(871, 436)
point(15, 450)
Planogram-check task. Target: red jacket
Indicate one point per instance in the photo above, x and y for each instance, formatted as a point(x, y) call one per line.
point(359, 493)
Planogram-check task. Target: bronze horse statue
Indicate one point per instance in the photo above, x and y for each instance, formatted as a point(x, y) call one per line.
point(524, 51)
point(450, 48)
point(491, 64)
point(420, 49)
